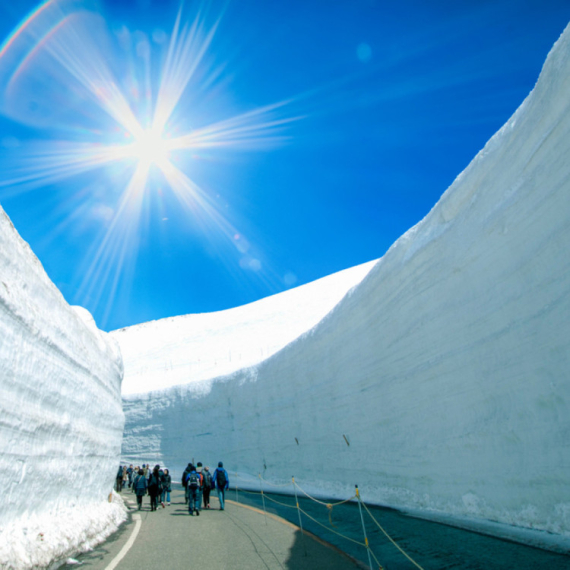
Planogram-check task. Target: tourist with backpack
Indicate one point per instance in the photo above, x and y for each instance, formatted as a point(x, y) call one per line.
point(189, 468)
point(221, 482)
point(199, 470)
point(206, 486)
point(140, 486)
point(154, 487)
point(194, 484)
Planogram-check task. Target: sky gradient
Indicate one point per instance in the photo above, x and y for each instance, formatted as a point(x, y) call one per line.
point(352, 119)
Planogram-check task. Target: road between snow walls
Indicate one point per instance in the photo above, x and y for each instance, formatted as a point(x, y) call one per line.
point(439, 384)
point(61, 419)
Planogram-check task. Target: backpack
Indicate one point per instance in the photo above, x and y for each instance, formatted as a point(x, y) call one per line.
point(153, 481)
point(221, 479)
point(193, 481)
point(207, 479)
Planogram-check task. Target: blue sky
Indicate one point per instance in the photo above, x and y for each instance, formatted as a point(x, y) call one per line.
point(353, 117)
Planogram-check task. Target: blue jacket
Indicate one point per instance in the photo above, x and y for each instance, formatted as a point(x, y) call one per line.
point(200, 478)
point(140, 485)
point(215, 478)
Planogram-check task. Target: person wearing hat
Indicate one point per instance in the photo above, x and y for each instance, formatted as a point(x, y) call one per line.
point(221, 482)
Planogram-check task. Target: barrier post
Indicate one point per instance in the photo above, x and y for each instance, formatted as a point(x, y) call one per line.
point(262, 496)
point(299, 513)
point(364, 528)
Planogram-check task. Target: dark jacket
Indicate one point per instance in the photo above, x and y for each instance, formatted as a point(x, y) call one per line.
point(140, 485)
point(154, 483)
point(215, 478)
point(167, 482)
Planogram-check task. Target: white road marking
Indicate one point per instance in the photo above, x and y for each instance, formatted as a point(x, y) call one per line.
point(128, 545)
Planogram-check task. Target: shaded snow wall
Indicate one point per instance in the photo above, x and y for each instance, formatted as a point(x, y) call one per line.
point(447, 368)
point(61, 418)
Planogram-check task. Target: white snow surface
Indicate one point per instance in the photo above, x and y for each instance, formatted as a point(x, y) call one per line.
point(446, 368)
point(61, 419)
point(190, 348)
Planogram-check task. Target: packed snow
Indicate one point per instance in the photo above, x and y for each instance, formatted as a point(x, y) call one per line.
point(439, 384)
point(191, 348)
point(61, 417)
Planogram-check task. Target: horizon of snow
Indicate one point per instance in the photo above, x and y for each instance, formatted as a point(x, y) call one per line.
point(196, 347)
point(442, 376)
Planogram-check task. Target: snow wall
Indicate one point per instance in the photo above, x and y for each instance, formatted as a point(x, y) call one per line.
point(61, 418)
point(446, 369)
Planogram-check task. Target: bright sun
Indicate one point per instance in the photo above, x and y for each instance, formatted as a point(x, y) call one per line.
point(150, 148)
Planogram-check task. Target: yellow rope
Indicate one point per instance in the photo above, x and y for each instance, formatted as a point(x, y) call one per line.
point(333, 531)
point(380, 567)
point(279, 503)
point(328, 505)
point(388, 536)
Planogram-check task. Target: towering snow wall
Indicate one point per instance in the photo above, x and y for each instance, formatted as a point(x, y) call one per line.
point(446, 369)
point(61, 418)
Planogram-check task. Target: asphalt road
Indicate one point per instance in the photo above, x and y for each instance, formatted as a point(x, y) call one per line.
point(240, 537)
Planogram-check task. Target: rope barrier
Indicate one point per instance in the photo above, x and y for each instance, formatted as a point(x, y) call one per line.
point(279, 503)
point(329, 507)
point(388, 536)
point(331, 530)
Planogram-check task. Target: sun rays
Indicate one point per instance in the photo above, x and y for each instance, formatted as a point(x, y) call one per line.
point(98, 110)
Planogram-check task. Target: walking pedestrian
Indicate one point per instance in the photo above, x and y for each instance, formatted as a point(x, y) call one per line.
point(154, 487)
point(189, 468)
point(221, 482)
point(130, 473)
point(119, 481)
point(135, 474)
point(199, 470)
point(166, 487)
point(140, 486)
point(206, 486)
point(194, 482)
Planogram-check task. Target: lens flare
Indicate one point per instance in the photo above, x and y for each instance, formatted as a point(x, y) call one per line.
point(99, 103)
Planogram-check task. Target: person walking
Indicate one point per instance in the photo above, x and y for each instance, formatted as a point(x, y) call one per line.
point(206, 486)
point(221, 482)
point(130, 473)
point(189, 468)
point(119, 481)
point(194, 482)
point(140, 486)
point(135, 474)
point(154, 487)
point(166, 487)
point(199, 470)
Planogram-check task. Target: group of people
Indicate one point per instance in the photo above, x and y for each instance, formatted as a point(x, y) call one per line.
point(157, 483)
point(198, 483)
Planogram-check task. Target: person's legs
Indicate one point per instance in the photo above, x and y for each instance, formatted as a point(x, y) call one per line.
point(221, 497)
point(168, 497)
point(199, 499)
point(206, 498)
point(139, 501)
